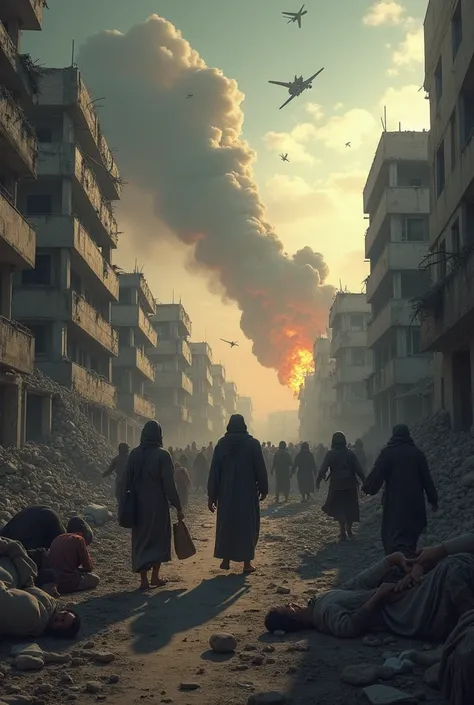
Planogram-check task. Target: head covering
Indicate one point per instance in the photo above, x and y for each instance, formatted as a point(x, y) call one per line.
point(400, 434)
point(236, 424)
point(358, 443)
point(77, 525)
point(282, 445)
point(152, 435)
point(304, 445)
point(123, 448)
point(338, 440)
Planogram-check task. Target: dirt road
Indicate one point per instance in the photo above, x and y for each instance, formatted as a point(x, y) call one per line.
point(160, 639)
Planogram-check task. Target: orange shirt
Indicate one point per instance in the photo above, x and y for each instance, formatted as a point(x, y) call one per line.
point(67, 554)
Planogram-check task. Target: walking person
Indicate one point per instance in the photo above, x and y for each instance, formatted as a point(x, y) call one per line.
point(281, 466)
point(151, 474)
point(403, 470)
point(305, 466)
point(118, 466)
point(183, 483)
point(342, 501)
point(201, 470)
point(238, 482)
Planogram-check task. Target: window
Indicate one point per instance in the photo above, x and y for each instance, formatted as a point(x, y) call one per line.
point(356, 321)
point(456, 29)
point(440, 169)
point(452, 139)
point(358, 390)
point(358, 357)
point(415, 229)
point(40, 275)
point(442, 260)
point(125, 295)
point(467, 102)
point(44, 135)
point(39, 204)
point(39, 331)
point(415, 183)
point(455, 237)
point(439, 80)
point(413, 341)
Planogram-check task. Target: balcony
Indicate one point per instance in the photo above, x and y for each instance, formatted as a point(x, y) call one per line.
point(135, 359)
point(396, 201)
point(17, 237)
point(89, 385)
point(173, 380)
point(136, 281)
point(350, 374)
point(201, 374)
point(132, 316)
point(94, 325)
point(172, 348)
point(347, 339)
point(401, 371)
point(218, 396)
point(17, 346)
point(351, 408)
point(19, 143)
point(172, 414)
point(65, 159)
point(396, 257)
point(174, 313)
point(398, 312)
point(29, 13)
point(132, 404)
point(66, 232)
point(202, 400)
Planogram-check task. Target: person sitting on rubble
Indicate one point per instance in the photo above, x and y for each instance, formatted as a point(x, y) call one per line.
point(34, 527)
point(25, 610)
point(423, 606)
point(70, 559)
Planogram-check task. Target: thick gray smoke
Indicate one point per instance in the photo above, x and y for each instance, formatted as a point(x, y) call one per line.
point(188, 154)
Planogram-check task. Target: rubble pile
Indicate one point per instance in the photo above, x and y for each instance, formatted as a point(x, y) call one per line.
point(64, 471)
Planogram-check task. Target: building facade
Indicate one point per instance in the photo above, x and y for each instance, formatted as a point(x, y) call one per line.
point(172, 389)
point(219, 414)
point(230, 393)
point(245, 407)
point(324, 392)
point(396, 199)
point(202, 402)
point(18, 160)
point(447, 311)
point(352, 410)
point(66, 298)
point(133, 369)
point(284, 426)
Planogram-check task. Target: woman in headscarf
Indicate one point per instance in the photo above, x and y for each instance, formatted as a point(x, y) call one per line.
point(342, 502)
point(238, 482)
point(305, 464)
point(150, 471)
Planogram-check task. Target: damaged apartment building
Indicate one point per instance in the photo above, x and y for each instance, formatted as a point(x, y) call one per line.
point(202, 401)
point(447, 309)
point(396, 200)
point(317, 397)
point(66, 299)
point(18, 160)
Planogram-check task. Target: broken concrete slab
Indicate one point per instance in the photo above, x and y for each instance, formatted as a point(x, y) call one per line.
point(386, 695)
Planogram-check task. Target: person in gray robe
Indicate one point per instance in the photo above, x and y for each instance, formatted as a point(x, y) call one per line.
point(238, 481)
point(428, 610)
point(150, 472)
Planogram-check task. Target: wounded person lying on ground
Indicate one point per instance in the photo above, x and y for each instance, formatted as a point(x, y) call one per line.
point(422, 606)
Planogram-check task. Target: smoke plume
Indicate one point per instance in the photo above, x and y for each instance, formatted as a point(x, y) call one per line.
point(189, 155)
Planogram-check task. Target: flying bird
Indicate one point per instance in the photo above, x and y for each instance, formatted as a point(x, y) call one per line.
point(348, 144)
point(284, 157)
point(190, 95)
point(296, 87)
point(232, 343)
point(295, 16)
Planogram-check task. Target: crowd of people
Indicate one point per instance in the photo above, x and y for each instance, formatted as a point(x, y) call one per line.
point(425, 595)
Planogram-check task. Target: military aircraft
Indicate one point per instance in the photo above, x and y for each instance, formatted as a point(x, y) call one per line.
point(232, 343)
point(295, 16)
point(190, 95)
point(348, 144)
point(284, 157)
point(297, 87)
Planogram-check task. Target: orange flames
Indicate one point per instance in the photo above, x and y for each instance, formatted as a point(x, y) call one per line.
point(300, 364)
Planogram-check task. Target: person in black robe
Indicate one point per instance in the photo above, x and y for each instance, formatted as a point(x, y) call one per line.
point(281, 466)
point(201, 470)
point(238, 482)
point(342, 501)
point(305, 464)
point(34, 527)
point(403, 470)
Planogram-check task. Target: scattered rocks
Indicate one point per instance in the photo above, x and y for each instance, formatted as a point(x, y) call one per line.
point(103, 657)
point(93, 687)
point(223, 643)
point(189, 686)
point(29, 663)
point(283, 590)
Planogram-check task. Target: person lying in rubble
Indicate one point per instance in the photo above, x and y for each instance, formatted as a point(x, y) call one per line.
point(70, 559)
point(118, 466)
point(419, 606)
point(34, 527)
point(26, 610)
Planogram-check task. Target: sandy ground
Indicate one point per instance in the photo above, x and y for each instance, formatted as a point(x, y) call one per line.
point(160, 639)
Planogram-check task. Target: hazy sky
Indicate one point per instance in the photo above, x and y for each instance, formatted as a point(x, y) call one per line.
point(373, 56)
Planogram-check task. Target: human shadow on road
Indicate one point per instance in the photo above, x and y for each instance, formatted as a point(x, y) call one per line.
point(155, 617)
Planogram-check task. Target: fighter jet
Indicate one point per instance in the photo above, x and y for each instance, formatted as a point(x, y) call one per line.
point(190, 95)
point(295, 16)
point(284, 157)
point(348, 144)
point(232, 343)
point(297, 87)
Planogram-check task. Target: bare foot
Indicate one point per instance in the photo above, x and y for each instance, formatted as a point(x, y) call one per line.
point(249, 568)
point(158, 582)
point(144, 586)
point(225, 565)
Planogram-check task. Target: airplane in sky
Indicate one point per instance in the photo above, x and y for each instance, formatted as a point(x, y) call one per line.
point(232, 343)
point(297, 87)
point(284, 157)
point(295, 16)
point(190, 95)
point(348, 144)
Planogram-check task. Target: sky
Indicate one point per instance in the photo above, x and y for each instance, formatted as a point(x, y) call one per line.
point(372, 54)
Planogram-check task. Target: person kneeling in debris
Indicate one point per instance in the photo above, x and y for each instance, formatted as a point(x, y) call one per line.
point(70, 559)
point(425, 607)
point(25, 610)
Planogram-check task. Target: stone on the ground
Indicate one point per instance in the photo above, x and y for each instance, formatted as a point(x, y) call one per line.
point(28, 663)
point(431, 676)
point(223, 643)
point(103, 656)
point(283, 590)
point(428, 658)
point(187, 685)
point(360, 674)
point(270, 698)
point(52, 657)
point(26, 650)
point(386, 695)
point(96, 514)
point(93, 687)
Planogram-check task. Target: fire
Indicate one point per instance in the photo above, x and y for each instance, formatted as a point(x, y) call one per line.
point(300, 364)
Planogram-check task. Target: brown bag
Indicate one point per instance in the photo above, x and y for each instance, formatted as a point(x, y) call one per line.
point(183, 543)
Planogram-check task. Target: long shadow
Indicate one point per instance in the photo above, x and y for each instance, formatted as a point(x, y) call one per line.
point(156, 617)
